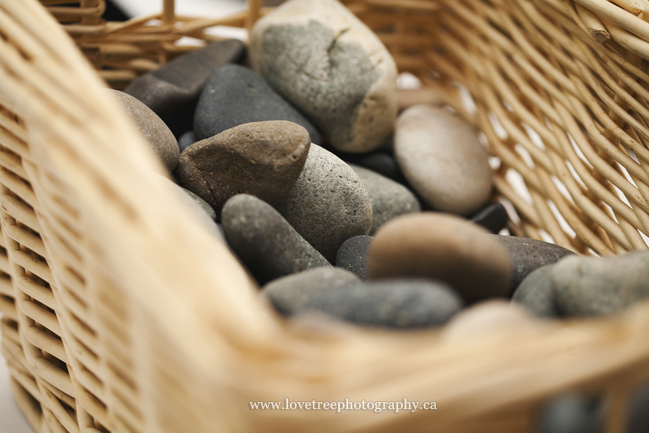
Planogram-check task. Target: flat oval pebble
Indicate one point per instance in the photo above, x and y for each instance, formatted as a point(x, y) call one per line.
point(289, 294)
point(265, 241)
point(352, 255)
point(442, 247)
point(263, 159)
point(590, 286)
point(159, 137)
point(570, 413)
point(172, 90)
point(536, 293)
point(442, 159)
point(398, 303)
point(331, 66)
point(493, 217)
point(328, 203)
point(490, 316)
point(235, 95)
point(389, 199)
point(527, 255)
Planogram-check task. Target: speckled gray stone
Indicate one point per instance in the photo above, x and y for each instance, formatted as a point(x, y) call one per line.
point(352, 255)
point(159, 137)
point(570, 413)
point(441, 157)
point(186, 140)
point(588, 286)
point(172, 90)
point(289, 294)
point(263, 239)
point(328, 203)
point(389, 199)
point(235, 95)
point(526, 255)
point(536, 294)
point(326, 62)
point(263, 159)
point(389, 303)
point(493, 217)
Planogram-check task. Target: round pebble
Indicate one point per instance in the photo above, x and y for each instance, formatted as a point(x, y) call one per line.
point(536, 293)
point(487, 317)
point(352, 255)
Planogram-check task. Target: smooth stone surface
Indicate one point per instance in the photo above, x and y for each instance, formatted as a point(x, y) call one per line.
point(172, 90)
point(186, 140)
point(442, 159)
point(398, 303)
point(389, 199)
point(383, 164)
point(328, 203)
point(235, 95)
point(197, 206)
point(570, 413)
point(443, 247)
point(527, 255)
point(536, 294)
point(352, 255)
point(486, 317)
point(493, 217)
point(263, 239)
point(160, 139)
point(331, 66)
point(289, 294)
point(590, 286)
point(263, 159)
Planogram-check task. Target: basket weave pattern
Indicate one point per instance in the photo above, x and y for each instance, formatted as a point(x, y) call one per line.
point(98, 337)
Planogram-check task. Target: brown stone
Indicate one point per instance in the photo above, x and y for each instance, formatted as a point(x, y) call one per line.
point(442, 247)
point(263, 159)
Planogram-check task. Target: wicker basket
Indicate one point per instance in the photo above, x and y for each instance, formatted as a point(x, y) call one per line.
point(109, 324)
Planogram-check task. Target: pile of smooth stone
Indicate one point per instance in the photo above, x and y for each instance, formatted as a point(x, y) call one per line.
point(291, 151)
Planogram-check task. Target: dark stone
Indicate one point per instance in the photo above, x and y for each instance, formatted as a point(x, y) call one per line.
point(264, 241)
point(186, 140)
point(570, 413)
point(390, 303)
point(263, 159)
point(526, 255)
point(384, 164)
point(289, 294)
point(352, 255)
point(172, 90)
point(235, 95)
point(493, 217)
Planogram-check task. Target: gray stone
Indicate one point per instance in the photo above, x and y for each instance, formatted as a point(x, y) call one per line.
point(352, 255)
point(389, 199)
point(186, 140)
point(441, 247)
point(160, 139)
point(639, 410)
point(289, 294)
point(235, 95)
point(263, 159)
point(383, 164)
point(172, 90)
point(526, 255)
point(202, 203)
point(589, 286)
point(493, 217)
point(326, 62)
point(263, 239)
point(390, 303)
point(570, 413)
point(328, 203)
point(536, 294)
point(442, 159)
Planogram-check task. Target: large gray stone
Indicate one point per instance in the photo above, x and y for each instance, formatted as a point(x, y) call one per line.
point(325, 61)
point(328, 203)
point(442, 159)
point(263, 239)
point(353, 254)
point(536, 293)
point(389, 199)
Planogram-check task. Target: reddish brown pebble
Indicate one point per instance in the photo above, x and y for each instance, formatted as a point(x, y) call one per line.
point(443, 247)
